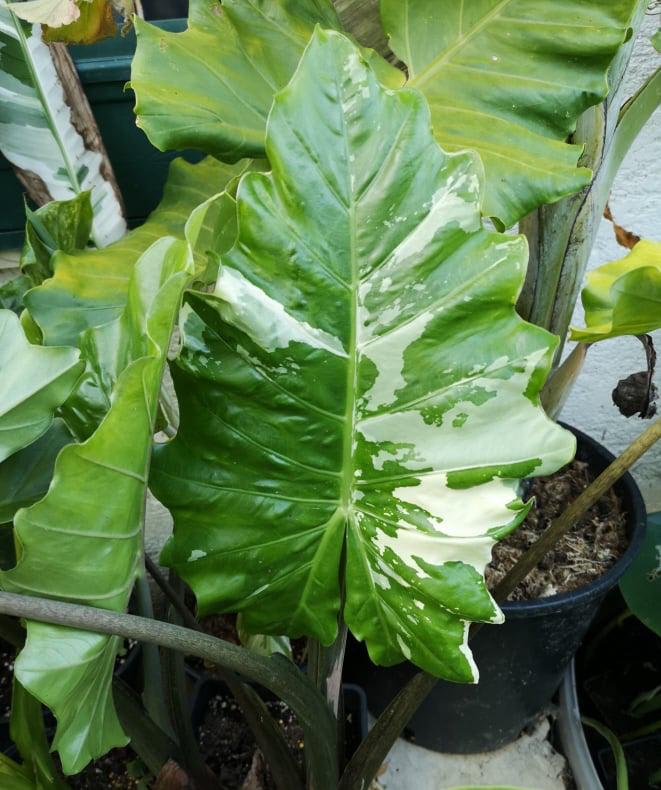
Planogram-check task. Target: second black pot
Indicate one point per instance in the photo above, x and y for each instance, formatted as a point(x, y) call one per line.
point(521, 662)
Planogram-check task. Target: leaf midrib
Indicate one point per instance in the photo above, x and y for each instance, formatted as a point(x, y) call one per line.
point(431, 69)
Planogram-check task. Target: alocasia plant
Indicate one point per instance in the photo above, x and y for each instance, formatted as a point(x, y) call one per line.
point(358, 397)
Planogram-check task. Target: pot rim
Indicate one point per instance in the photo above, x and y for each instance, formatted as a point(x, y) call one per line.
point(636, 523)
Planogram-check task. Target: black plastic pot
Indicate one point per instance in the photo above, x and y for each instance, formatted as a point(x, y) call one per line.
point(522, 662)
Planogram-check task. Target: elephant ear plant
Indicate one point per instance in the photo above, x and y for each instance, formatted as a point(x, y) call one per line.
point(358, 398)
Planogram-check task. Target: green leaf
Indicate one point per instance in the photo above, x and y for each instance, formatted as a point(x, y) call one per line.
point(359, 375)
point(59, 225)
point(89, 287)
point(34, 382)
point(26, 475)
point(28, 733)
point(263, 644)
point(656, 40)
point(14, 776)
point(82, 542)
point(12, 293)
point(621, 770)
point(37, 134)
point(226, 67)
point(641, 584)
point(623, 297)
point(509, 79)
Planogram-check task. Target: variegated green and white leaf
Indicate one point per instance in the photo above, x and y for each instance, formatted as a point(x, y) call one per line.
point(509, 79)
point(36, 131)
point(34, 382)
point(359, 378)
point(226, 67)
point(83, 541)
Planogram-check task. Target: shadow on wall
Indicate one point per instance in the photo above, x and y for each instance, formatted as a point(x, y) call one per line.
point(165, 9)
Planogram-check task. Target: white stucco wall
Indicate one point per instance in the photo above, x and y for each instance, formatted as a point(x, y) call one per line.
point(636, 205)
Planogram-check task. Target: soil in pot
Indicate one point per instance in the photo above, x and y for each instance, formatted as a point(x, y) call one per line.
point(592, 546)
point(120, 769)
point(227, 743)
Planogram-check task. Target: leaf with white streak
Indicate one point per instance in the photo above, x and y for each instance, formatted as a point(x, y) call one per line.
point(36, 131)
point(359, 377)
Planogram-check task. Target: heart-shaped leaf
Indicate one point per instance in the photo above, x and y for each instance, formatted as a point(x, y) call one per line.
point(359, 377)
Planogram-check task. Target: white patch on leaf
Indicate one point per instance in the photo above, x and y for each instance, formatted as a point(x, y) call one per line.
point(264, 319)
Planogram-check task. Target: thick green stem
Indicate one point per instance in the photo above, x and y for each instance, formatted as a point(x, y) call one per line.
point(178, 703)
point(369, 756)
point(269, 736)
point(151, 663)
point(277, 673)
point(562, 379)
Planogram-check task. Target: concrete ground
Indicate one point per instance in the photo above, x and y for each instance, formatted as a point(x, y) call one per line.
point(531, 762)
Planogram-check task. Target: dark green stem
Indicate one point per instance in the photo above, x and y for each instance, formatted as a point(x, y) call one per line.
point(269, 736)
point(178, 703)
point(151, 662)
point(277, 673)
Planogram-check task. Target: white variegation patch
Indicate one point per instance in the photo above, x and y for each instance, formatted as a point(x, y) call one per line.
point(37, 134)
point(265, 320)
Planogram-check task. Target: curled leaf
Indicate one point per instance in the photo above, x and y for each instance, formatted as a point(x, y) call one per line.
point(46, 12)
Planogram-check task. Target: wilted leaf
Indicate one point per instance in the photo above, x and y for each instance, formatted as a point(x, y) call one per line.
point(94, 23)
point(46, 12)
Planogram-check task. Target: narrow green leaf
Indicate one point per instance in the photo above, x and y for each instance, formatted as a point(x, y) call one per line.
point(623, 297)
point(90, 286)
point(14, 776)
point(360, 375)
point(34, 382)
point(621, 771)
point(59, 225)
point(28, 733)
point(37, 134)
point(26, 475)
point(509, 79)
point(226, 67)
point(82, 542)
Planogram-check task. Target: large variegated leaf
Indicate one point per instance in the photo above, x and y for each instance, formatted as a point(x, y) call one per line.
point(509, 79)
point(89, 287)
point(623, 297)
point(37, 134)
point(359, 378)
point(83, 541)
point(211, 87)
point(34, 382)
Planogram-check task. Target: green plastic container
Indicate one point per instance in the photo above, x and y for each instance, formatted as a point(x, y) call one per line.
point(104, 69)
